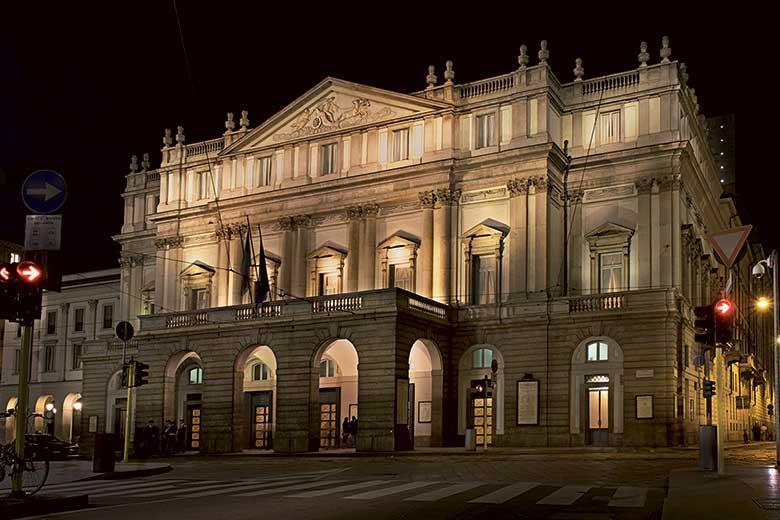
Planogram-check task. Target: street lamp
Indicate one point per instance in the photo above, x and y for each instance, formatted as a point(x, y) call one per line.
point(759, 270)
point(762, 303)
point(77, 406)
point(49, 407)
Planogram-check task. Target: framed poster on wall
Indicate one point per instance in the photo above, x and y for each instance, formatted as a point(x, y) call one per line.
point(528, 402)
point(93, 423)
point(644, 407)
point(424, 411)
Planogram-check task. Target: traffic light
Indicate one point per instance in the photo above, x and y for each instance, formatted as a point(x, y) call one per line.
point(705, 325)
point(724, 318)
point(709, 388)
point(20, 292)
point(770, 409)
point(125, 374)
point(141, 373)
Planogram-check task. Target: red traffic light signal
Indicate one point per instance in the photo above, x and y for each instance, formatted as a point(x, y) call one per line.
point(723, 307)
point(724, 318)
point(29, 272)
point(5, 274)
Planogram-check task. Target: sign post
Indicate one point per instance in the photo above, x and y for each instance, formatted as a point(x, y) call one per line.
point(125, 331)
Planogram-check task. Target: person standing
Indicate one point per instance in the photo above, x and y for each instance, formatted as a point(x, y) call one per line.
point(152, 437)
point(170, 437)
point(353, 427)
point(181, 437)
point(345, 428)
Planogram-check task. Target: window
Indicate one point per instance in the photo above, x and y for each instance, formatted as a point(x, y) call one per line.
point(329, 283)
point(196, 376)
point(48, 358)
point(260, 372)
point(598, 351)
point(76, 365)
point(401, 144)
point(485, 135)
point(108, 316)
point(483, 279)
point(400, 276)
point(15, 258)
point(147, 302)
point(51, 322)
point(78, 320)
point(198, 299)
point(686, 356)
point(17, 360)
point(611, 272)
point(327, 368)
point(482, 358)
point(609, 126)
point(205, 185)
point(264, 171)
point(328, 158)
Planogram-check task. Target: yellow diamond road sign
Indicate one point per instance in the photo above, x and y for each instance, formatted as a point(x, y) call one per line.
point(728, 243)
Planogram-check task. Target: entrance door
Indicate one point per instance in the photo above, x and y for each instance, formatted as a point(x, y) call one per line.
point(480, 416)
point(194, 426)
point(598, 415)
point(261, 406)
point(329, 417)
point(120, 412)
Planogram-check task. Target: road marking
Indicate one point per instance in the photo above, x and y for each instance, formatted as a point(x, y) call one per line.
point(172, 490)
point(627, 496)
point(243, 486)
point(105, 484)
point(296, 487)
point(438, 494)
point(564, 496)
point(119, 490)
point(505, 493)
point(338, 489)
point(368, 495)
point(166, 488)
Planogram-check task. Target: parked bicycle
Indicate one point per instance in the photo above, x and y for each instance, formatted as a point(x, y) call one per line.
point(33, 466)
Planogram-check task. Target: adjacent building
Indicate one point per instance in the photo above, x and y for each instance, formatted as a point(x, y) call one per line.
point(545, 236)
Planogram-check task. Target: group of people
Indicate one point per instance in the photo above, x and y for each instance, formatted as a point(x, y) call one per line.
point(149, 443)
point(348, 432)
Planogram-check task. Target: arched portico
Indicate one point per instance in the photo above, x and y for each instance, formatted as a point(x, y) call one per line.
point(335, 395)
point(10, 422)
point(596, 398)
point(474, 366)
point(71, 417)
point(116, 407)
point(254, 398)
point(426, 393)
point(45, 423)
point(183, 395)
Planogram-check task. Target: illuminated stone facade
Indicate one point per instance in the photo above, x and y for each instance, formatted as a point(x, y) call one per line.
point(455, 195)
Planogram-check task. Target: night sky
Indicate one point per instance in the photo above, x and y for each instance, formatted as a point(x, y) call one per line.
point(83, 89)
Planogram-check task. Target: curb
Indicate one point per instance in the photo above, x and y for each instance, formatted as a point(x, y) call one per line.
point(41, 505)
point(133, 473)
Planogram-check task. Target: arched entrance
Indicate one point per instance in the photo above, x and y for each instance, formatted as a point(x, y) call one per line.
point(183, 388)
point(254, 398)
point(10, 422)
point(596, 406)
point(337, 366)
point(45, 406)
point(71, 417)
point(425, 394)
point(481, 407)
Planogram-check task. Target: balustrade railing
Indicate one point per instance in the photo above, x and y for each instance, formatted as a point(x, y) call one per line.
point(186, 320)
point(609, 83)
point(426, 307)
point(205, 147)
point(599, 302)
point(487, 86)
point(335, 304)
point(266, 310)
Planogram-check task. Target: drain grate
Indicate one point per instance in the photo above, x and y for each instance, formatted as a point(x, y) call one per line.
point(769, 504)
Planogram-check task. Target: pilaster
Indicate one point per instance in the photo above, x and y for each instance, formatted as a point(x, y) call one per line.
point(427, 202)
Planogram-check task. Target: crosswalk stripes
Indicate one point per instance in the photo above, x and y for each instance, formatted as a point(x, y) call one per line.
point(438, 494)
point(629, 497)
point(505, 493)
point(295, 487)
point(564, 496)
point(243, 487)
point(163, 490)
point(368, 495)
point(337, 489)
point(215, 485)
point(86, 486)
point(131, 488)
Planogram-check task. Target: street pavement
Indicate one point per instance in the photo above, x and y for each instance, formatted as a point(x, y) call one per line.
point(574, 485)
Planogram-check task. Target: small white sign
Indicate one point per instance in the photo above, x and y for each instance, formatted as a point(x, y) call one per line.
point(43, 233)
point(644, 372)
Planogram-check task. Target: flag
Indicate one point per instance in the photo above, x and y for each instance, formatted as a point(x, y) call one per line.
point(262, 286)
point(246, 263)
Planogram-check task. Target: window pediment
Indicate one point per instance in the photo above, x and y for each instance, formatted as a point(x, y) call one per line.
point(487, 228)
point(609, 234)
point(197, 268)
point(328, 250)
point(400, 239)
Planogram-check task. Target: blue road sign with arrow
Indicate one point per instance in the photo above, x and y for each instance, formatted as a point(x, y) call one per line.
point(44, 191)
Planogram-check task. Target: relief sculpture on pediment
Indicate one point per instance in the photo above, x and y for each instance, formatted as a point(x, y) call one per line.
point(328, 115)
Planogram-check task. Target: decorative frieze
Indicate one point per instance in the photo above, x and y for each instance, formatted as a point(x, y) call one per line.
point(131, 260)
point(361, 211)
point(610, 192)
point(169, 243)
point(483, 195)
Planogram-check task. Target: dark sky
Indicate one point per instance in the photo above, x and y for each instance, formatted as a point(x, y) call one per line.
point(82, 89)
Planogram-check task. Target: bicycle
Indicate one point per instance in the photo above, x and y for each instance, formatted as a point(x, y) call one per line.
point(34, 465)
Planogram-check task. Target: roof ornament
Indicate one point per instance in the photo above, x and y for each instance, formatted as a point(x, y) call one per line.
point(133, 164)
point(167, 139)
point(179, 136)
point(544, 54)
point(643, 55)
point(229, 124)
point(666, 51)
point(449, 74)
point(145, 164)
point(579, 71)
point(244, 121)
point(684, 72)
point(431, 78)
point(523, 57)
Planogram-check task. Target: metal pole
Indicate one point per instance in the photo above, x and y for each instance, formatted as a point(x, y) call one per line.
point(130, 383)
point(775, 334)
point(21, 405)
point(707, 400)
point(720, 393)
point(484, 417)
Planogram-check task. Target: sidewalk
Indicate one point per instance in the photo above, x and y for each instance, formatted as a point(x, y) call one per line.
point(73, 470)
point(745, 493)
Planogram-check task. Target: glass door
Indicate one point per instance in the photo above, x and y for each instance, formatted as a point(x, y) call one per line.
point(598, 415)
point(262, 426)
point(329, 418)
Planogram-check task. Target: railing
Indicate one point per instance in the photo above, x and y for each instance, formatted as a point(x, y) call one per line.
point(266, 310)
point(600, 302)
point(487, 86)
point(152, 177)
point(426, 307)
point(608, 83)
point(343, 303)
point(205, 147)
point(186, 320)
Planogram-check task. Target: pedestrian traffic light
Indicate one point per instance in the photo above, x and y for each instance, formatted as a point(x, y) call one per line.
point(141, 373)
point(724, 319)
point(20, 292)
point(705, 325)
point(709, 388)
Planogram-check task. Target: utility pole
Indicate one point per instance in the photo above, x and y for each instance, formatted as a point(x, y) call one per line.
point(21, 405)
point(129, 410)
point(721, 408)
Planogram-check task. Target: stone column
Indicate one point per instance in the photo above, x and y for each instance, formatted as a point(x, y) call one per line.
point(219, 294)
point(125, 275)
point(427, 201)
point(676, 239)
point(518, 236)
point(537, 250)
point(136, 276)
point(442, 245)
point(236, 257)
point(159, 276)
point(299, 276)
point(643, 234)
point(93, 313)
point(285, 269)
point(368, 247)
point(172, 269)
point(575, 243)
point(354, 243)
point(655, 234)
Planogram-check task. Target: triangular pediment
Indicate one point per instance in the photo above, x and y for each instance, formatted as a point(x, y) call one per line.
point(400, 239)
point(488, 227)
point(330, 107)
point(197, 268)
point(328, 249)
point(609, 229)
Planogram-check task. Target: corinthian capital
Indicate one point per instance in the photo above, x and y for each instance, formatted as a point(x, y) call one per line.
point(447, 196)
point(427, 199)
point(517, 187)
point(286, 224)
